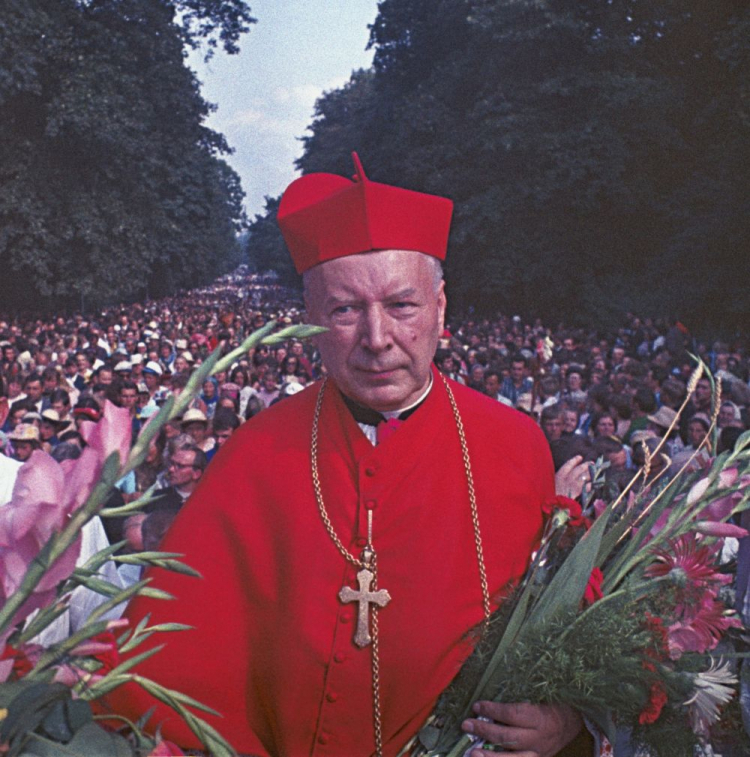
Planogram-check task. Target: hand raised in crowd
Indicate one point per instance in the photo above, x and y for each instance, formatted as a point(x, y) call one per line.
point(572, 477)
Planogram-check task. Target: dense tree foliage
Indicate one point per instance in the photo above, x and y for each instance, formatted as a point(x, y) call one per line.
point(594, 148)
point(110, 185)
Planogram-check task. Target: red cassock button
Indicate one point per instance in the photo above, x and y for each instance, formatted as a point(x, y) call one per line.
point(370, 471)
point(323, 738)
point(371, 504)
point(331, 697)
point(361, 542)
point(339, 657)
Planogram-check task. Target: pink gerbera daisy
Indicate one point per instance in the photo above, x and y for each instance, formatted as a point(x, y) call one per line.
point(688, 561)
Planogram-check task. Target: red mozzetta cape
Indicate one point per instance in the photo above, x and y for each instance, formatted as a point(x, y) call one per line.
point(273, 646)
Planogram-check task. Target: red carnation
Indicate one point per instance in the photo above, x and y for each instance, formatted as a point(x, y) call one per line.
point(570, 506)
point(656, 701)
point(594, 587)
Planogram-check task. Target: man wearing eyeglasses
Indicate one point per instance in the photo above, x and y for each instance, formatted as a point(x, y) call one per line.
point(184, 471)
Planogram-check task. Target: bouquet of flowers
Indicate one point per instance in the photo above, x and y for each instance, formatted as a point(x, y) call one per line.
point(618, 613)
point(49, 692)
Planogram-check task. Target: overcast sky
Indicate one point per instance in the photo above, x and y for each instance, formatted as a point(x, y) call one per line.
point(266, 94)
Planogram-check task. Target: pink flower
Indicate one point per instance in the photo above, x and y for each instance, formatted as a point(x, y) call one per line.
point(44, 496)
point(26, 524)
point(688, 560)
point(165, 749)
point(110, 434)
point(723, 530)
point(700, 630)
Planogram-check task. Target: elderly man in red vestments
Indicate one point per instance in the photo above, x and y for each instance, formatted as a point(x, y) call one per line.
point(352, 536)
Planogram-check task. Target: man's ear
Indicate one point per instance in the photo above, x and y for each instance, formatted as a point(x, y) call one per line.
point(442, 303)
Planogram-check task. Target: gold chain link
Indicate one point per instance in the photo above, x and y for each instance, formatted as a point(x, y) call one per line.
point(472, 502)
point(372, 564)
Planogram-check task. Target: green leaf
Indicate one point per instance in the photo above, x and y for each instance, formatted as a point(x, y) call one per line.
point(89, 741)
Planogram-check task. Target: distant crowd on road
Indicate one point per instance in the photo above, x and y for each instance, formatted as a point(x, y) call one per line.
point(596, 394)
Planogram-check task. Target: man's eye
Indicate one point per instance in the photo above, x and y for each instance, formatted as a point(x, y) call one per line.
point(403, 305)
point(342, 310)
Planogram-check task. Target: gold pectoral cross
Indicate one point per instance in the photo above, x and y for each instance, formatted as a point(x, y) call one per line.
point(364, 596)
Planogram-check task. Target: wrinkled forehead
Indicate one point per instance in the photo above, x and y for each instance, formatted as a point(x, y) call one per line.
point(370, 273)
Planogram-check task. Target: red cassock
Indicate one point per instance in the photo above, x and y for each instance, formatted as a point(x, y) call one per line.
point(273, 647)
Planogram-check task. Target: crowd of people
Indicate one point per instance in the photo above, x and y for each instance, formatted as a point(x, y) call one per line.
point(595, 394)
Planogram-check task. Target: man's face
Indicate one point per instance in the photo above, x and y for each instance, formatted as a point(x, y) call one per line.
point(128, 398)
point(47, 430)
point(60, 408)
point(384, 317)
point(180, 364)
point(553, 428)
point(105, 376)
point(574, 381)
point(703, 393)
point(570, 421)
point(618, 460)
point(492, 384)
point(82, 363)
point(605, 426)
point(180, 471)
point(222, 436)
point(151, 380)
point(196, 430)
point(516, 371)
point(726, 416)
point(23, 450)
point(34, 390)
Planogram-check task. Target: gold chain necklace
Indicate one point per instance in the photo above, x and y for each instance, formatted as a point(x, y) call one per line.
point(367, 577)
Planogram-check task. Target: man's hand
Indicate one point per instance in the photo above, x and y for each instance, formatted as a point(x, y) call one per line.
point(572, 477)
point(524, 730)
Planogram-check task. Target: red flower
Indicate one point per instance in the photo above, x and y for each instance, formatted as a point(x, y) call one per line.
point(103, 648)
point(660, 636)
point(22, 665)
point(594, 587)
point(570, 506)
point(656, 701)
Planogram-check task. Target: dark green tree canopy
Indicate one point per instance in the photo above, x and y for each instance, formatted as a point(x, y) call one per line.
point(110, 185)
point(593, 148)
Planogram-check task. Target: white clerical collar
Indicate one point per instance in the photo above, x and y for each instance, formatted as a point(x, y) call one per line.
point(388, 414)
point(371, 431)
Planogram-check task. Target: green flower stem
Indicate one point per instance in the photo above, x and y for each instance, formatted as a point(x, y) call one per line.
point(461, 746)
point(59, 650)
point(174, 407)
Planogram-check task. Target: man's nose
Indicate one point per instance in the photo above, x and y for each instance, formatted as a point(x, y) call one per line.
point(376, 332)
